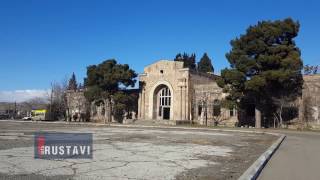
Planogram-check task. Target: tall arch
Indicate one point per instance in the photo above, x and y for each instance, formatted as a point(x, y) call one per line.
point(161, 101)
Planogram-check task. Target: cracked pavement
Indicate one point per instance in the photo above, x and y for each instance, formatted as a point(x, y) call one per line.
point(132, 153)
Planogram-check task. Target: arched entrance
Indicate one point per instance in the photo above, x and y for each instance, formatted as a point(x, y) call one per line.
point(162, 103)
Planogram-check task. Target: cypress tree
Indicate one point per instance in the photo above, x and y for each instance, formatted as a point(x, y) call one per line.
point(73, 85)
point(265, 64)
point(205, 64)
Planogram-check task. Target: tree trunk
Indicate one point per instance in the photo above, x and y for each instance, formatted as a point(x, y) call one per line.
point(258, 118)
point(301, 111)
point(276, 119)
point(106, 111)
point(280, 113)
point(92, 109)
point(280, 117)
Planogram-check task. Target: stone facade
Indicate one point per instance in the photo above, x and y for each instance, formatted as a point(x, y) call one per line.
point(79, 109)
point(170, 92)
point(77, 106)
point(309, 104)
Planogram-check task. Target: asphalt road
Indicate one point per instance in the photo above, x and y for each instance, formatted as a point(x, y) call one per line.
point(297, 158)
point(132, 153)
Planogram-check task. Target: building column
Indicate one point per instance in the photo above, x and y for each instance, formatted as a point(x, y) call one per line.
point(185, 102)
point(180, 102)
point(258, 118)
point(144, 104)
point(139, 106)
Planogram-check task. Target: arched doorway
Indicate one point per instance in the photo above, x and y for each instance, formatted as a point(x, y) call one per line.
point(162, 103)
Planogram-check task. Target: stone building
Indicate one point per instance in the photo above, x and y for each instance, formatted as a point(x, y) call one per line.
point(173, 94)
point(77, 106)
point(309, 103)
point(79, 109)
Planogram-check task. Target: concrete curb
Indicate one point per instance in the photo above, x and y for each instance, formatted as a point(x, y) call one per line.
point(255, 169)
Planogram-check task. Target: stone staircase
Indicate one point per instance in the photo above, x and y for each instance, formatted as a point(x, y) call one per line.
point(159, 122)
point(145, 122)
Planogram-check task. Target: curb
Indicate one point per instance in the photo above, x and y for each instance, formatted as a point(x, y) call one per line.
point(255, 169)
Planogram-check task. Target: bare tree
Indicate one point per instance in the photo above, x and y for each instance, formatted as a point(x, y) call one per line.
point(212, 110)
point(307, 109)
point(281, 103)
point(58, 103)
point(218, 119)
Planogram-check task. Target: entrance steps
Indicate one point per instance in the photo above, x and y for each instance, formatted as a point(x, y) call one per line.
point(159, 122)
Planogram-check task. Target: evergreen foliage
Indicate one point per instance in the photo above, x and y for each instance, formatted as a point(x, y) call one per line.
point(73, 85)
point(205, 64)
point(104, 82)
point(188, 61)
point(265, 65)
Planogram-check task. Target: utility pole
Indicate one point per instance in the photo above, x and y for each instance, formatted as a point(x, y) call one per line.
point(50, 116)
point(206, 111)
point(15, 110)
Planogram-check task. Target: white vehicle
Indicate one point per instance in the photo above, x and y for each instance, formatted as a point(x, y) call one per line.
point(26, 118)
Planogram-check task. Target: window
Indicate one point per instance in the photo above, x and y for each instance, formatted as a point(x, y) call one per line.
point(199, 110)
point(216, 108)
point(164, 102)
point(161, 71)
point(165, 97)
point(231, 112)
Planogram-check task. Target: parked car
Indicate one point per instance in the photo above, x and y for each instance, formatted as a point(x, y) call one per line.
point(26, 118)
point(4, 116)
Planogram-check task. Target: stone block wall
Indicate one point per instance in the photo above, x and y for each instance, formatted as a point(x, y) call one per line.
point(77, 106)
point(309, 104)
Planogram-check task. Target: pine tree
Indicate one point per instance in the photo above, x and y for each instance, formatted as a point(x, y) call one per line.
point(73, 85)
point(104, 81)
point(265, 65)
point(205, 65)
point(188, 61)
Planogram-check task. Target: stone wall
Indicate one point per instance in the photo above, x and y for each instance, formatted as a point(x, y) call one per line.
point(77, 106)
point(170, 74)
point(309, 104)
point(206, 99)
point(188, 91)
point(194, 98)
point(79, 109)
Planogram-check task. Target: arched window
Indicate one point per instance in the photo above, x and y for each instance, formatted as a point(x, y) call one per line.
point(164, 103)
point(165, 97)
point(216, 107)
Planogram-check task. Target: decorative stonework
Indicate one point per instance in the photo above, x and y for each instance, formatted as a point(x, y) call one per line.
point(190, 97)
point(189, 92)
